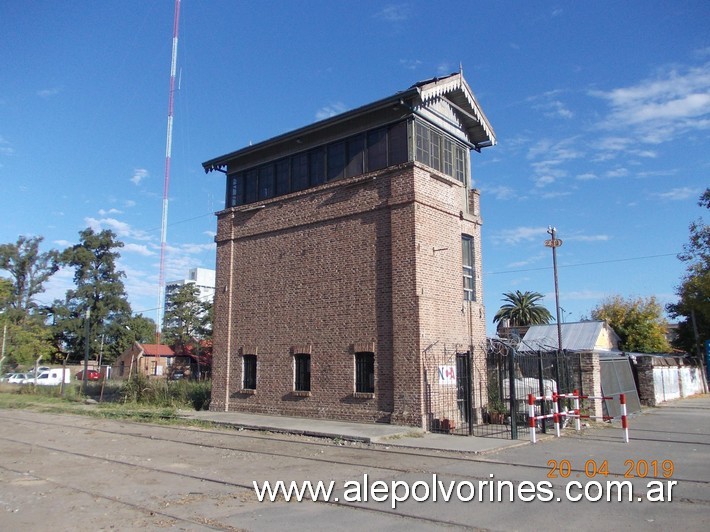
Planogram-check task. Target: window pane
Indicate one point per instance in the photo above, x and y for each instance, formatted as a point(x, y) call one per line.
point(336, 160)
point(356, 156)
point(249, 372)
point(303, 372)
point(365, 372)
point(251, 186)
point(235, 192)
point(448, 163)
point(266, 182)
point(467, 257)
point(398, 149)
point(460, 164)
point(423, 144)
point(435, 150)
point(299, 172)
point(376, 149)
point(316, 160)
point(283, 171)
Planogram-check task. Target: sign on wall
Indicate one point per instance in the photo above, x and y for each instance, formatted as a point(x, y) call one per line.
point(447, 375)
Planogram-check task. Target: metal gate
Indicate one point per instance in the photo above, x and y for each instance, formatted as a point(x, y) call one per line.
point(512, 376)
point(450, 395)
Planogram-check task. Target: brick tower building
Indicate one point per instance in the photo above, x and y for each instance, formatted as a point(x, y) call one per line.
point(348, 266)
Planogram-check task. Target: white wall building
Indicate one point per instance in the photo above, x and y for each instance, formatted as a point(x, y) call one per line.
point(203, 278)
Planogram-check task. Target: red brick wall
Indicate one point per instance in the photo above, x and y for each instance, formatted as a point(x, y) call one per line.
point(335, 269)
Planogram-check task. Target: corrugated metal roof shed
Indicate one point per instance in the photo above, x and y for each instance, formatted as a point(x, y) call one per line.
point(579, 336)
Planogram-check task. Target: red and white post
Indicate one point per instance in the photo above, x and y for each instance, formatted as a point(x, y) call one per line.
point(531, 417)
point(624, 420)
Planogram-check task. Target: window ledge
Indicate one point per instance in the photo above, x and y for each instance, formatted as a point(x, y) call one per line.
point(451, 181)
point(247, 391)
point(301, 393)
point(363, 395)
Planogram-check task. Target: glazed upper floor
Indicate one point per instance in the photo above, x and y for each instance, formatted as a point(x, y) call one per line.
point(436, 122)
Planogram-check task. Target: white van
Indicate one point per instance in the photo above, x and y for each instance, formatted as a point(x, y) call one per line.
point(53, 377)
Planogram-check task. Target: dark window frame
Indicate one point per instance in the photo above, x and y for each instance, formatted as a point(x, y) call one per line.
point(249, 369)
point(364, 372)
point(302, 372)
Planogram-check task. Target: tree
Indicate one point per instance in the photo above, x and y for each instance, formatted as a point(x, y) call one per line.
point(99, 290)
point(694, 291)
point(187, 318)
point(638, 321)
point(27, 337)
point(522, 309)
point(29, 270)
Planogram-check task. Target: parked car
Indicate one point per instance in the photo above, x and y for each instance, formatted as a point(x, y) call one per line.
point(17, 378)
point(5, 377)
point(91, 375)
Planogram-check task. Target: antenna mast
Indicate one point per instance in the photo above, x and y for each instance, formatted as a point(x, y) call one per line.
point(166, 184)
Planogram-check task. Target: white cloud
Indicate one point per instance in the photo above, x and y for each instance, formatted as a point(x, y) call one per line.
point(500, 192)
point(122, 229)
point(139, 174)
point(678, 194)
point(5, 147)
point(588, 238)
point(410, 64)
point(103, 212)
point(521, 234)
point(140, 249)
point(674, 101)
point(331, 110)
point(47, 93)
point(393, 13)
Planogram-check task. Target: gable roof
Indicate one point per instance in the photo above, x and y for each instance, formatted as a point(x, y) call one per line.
point(153, 350)
point(579, 336)
point(453, 89)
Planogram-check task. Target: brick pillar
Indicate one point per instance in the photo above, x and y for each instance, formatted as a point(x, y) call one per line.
point(592, 383)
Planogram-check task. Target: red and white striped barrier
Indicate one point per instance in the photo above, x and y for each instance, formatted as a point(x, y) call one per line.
point(575, 414)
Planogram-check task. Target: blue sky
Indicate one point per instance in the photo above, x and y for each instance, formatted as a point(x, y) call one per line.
point(601, 110)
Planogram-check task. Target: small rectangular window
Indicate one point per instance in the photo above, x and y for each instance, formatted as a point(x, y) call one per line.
point(376, 149)
point(364, 372)
point(423, 144)
point(283, 174)
point(356, 156)
point(460, 165)
point(435, 150)
point(235, 192)
point(299, 172)
point(448, 162)
point(398, 151)
point(266, 182)
point(467, 255)
point(249, 369)
point(302, 381)
point(251, 186)
point(336, 160)
point(316, 162)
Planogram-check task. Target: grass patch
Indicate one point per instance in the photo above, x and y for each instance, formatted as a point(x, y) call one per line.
point(138, 399)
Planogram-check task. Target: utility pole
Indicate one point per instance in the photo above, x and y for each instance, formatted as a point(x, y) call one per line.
point(554, 243)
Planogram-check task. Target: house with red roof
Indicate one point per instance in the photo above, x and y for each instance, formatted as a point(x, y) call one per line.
point(151, 360)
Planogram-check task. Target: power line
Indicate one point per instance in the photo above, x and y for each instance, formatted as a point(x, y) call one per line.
point(584, 264)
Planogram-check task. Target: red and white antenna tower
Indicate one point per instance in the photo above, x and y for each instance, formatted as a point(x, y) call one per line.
point(166, 184)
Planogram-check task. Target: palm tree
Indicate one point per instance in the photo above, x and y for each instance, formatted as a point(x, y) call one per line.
point(522, 309)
